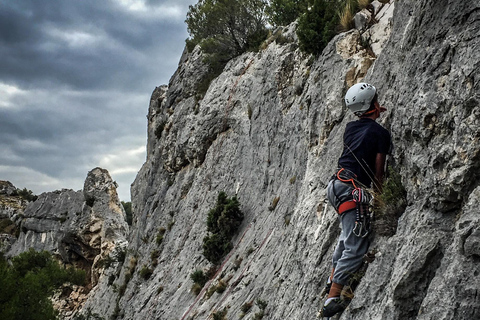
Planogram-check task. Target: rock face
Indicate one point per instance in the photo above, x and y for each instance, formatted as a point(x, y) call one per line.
point(85, 228)
point(12, 207)
point(269, 130)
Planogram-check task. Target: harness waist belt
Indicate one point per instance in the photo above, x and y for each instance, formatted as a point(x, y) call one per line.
point(348, 205)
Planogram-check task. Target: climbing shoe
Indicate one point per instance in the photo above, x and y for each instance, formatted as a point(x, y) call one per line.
point(327, 288)
point(333, 306)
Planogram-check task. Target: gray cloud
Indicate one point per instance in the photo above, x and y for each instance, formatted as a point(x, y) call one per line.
point(75, 83)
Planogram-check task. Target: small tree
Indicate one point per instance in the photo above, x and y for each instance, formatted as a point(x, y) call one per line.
point(199, 277)
point(284, 12)
point(127, 206)
point(26, 194)
point(215, 247)
point(223, 222)
point(28, 283)
point(227, 26)
point(317, 26)
point(225, 29)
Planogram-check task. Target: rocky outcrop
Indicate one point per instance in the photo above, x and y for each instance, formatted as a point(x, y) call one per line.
point(85, 229)
point(269, 130)
point(11, 211)
point(11, 204)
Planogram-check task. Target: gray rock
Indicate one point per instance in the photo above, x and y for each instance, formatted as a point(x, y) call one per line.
point(86, 229)
point(11, 205)
point(362, 19)
point(269, 130)
point(7, 188)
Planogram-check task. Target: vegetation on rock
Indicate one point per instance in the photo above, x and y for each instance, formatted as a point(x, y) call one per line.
point(28, 283)
point(127, 206)
point(318, 25)
point(225, 29)
point(391, 204)
point(223, 222)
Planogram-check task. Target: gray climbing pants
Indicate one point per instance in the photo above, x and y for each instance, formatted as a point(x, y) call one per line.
point(348, 255)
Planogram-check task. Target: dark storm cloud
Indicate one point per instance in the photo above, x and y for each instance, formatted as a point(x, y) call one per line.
point(75, 83)
point(83, 44)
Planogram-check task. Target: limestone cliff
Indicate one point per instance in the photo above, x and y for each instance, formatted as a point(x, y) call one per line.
point(269, 130)
point(12, 207)
point(86, 229)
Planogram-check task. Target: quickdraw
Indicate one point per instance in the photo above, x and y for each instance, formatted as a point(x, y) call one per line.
point(364, 201)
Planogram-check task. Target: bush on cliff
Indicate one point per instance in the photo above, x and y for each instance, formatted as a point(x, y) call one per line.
point(225, 29)
point(127, 206)
point(223, 222)
point(26, 194)
point(28, 283)
point(318, 25)
point(390, 204)
point(284, 12)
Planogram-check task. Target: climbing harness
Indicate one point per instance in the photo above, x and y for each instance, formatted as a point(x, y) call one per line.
point(346, 179)
point(353, 196)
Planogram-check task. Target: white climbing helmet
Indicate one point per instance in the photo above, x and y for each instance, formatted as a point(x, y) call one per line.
point(359, 97)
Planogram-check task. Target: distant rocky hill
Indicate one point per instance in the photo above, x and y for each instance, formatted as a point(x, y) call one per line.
point(86, 229)
point(269, 130)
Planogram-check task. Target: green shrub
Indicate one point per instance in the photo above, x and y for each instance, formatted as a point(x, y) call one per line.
point(221, 287)
point(226, 217)
point(199, 277)
point(196, 289)
point(199, 280)
point(223, 222)
point(215, 247)
point(28, 283)
point(262, 305)
point(88, 316)
point(224, 29)
point(227, 27)
point(8, 226)
point(317, 26)
point(160, 235)
point(393, 190)
point(106, 262)
point(284, 12)
point(26, 194)
point(390, 204)
point(127, 206)
point(220, 315)
point(146, 272)
point(247, 306)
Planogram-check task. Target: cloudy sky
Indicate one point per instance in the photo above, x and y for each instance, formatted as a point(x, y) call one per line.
point(75, 84)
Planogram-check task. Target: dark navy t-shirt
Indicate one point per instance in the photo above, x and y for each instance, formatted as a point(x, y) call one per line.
point(363, 139)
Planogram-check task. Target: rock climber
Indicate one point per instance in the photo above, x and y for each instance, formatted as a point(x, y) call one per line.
point(361, 166)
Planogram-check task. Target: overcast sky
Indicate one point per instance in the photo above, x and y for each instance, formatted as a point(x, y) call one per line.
point(75, 84)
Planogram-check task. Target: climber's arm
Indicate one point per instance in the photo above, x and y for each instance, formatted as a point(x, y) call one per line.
point(380, 170)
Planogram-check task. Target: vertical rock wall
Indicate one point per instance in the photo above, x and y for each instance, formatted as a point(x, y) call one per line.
point(269, 130)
